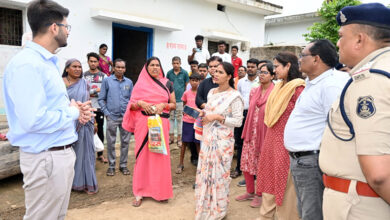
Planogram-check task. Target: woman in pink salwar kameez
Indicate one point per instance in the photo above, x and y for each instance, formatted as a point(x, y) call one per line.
point(152, 94)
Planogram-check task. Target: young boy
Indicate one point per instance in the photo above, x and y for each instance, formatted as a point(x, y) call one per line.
point(188, 134)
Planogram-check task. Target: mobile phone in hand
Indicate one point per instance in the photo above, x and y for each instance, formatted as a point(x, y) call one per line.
point(191, 112)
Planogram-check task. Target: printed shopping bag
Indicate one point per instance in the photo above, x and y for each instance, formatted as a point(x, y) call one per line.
point(156, 135)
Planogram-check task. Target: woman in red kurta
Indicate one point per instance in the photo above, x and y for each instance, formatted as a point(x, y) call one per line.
point(254, 132)
point(152, 94)
point(273, 177)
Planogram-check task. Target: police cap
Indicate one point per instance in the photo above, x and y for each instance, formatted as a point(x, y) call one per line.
point(374, 14)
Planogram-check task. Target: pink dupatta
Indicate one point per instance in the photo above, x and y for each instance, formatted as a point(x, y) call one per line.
point(152, 171)
point(256, 99)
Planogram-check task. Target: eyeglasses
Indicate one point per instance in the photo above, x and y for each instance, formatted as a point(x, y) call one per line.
point(67, 26)
point(305, 55)
point(263, 72)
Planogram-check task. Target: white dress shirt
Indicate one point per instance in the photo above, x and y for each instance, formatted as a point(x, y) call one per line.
point(306, 124)
point(225, 57)
point(244, 86)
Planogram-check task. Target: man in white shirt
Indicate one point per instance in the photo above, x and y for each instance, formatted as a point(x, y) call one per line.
point(244, 86)
point(222, 52)
point(199, 53)
point(306, 124)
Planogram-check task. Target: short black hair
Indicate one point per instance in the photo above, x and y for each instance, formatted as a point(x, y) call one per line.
point(42, 13)
point(234, 47)
point(221, 42)
point(118, 60)
point(203, 65)
point(194, 62)
point(102, 45)
point(92, 54)
point(253, 60)
point(176, 58)
point(326, 51)
point(287, 57)
point(199, 37)
point(242, 67)
point(214, 58)
point(195, 75)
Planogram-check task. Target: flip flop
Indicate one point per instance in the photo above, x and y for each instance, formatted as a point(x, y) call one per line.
point(179, 169)
point(137, 202)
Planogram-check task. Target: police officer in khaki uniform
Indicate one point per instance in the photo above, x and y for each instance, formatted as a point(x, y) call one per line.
point(355, 150)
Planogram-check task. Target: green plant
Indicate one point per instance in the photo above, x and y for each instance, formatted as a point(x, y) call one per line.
point(328, 27)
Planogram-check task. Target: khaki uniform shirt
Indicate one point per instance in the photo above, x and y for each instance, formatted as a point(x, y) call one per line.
point(367, 105)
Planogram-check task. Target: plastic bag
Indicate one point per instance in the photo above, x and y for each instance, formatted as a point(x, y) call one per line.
point(99, 146)
point(156, 142)
point(198, 127)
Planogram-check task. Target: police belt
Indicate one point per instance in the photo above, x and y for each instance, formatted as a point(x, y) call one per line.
point(342, 185)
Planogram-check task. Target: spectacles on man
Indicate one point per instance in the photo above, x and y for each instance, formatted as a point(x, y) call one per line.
point(67, 26)
point(301, 55)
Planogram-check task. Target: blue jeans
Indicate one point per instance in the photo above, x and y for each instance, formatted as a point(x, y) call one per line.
point(308, 185)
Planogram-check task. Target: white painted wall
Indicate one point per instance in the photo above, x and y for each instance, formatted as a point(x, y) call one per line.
point(287, 34)
point(196, 17)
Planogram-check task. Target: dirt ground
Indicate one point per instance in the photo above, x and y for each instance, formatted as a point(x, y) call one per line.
point(113, 201)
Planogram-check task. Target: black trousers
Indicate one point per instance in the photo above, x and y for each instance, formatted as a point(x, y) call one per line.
point(239, 141)
point(194, 152)
point(99, 118)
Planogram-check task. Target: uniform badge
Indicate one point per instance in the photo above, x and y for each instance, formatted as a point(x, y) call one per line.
point(343, 19)
point(365, 107)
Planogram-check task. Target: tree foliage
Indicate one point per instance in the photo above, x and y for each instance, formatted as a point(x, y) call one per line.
point(328, 27)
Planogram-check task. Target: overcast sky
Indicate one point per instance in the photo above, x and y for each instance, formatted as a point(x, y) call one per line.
point(290, 6)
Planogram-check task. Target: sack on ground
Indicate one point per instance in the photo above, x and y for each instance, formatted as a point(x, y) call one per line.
point(156, 142)
point(99, 146)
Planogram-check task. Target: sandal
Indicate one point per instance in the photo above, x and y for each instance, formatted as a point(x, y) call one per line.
point(179, 169)
point(110, 172)
point(124, 170)
point(137, 202)
point(102, 159)
point(3, 137)
point(235, 174)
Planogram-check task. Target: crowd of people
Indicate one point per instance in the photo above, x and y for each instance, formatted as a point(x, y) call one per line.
point(313, 147)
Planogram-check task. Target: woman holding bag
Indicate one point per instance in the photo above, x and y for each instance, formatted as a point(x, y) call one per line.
point(222, 113)
point(152, 94)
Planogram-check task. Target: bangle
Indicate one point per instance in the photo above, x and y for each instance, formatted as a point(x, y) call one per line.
point(167, 107)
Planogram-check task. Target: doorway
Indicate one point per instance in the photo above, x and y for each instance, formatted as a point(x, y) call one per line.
point(213, 47)
point(134, 45)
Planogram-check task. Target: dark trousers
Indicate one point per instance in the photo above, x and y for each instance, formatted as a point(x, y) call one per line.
point(99, 118)
point(194, 152)
point(239, 142)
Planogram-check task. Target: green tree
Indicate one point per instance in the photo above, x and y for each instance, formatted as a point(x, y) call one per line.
point(328, 27)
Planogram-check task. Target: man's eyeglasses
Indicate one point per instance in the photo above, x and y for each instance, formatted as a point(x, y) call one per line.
point(305, 55)
point(67, 26)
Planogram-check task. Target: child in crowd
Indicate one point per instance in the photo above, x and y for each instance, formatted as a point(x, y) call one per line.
point(188, 134)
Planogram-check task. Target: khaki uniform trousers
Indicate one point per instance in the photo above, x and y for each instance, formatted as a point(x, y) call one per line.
point(287, 211)
point(47, 178)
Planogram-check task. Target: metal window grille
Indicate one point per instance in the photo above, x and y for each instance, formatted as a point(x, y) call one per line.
point(11, 26)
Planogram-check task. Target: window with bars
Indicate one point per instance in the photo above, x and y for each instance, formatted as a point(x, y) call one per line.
point(11, 26)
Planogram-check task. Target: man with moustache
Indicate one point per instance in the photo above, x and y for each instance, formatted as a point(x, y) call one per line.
point(113, 98)
point(355, 148)
point(306, 124)
point(40, 116)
